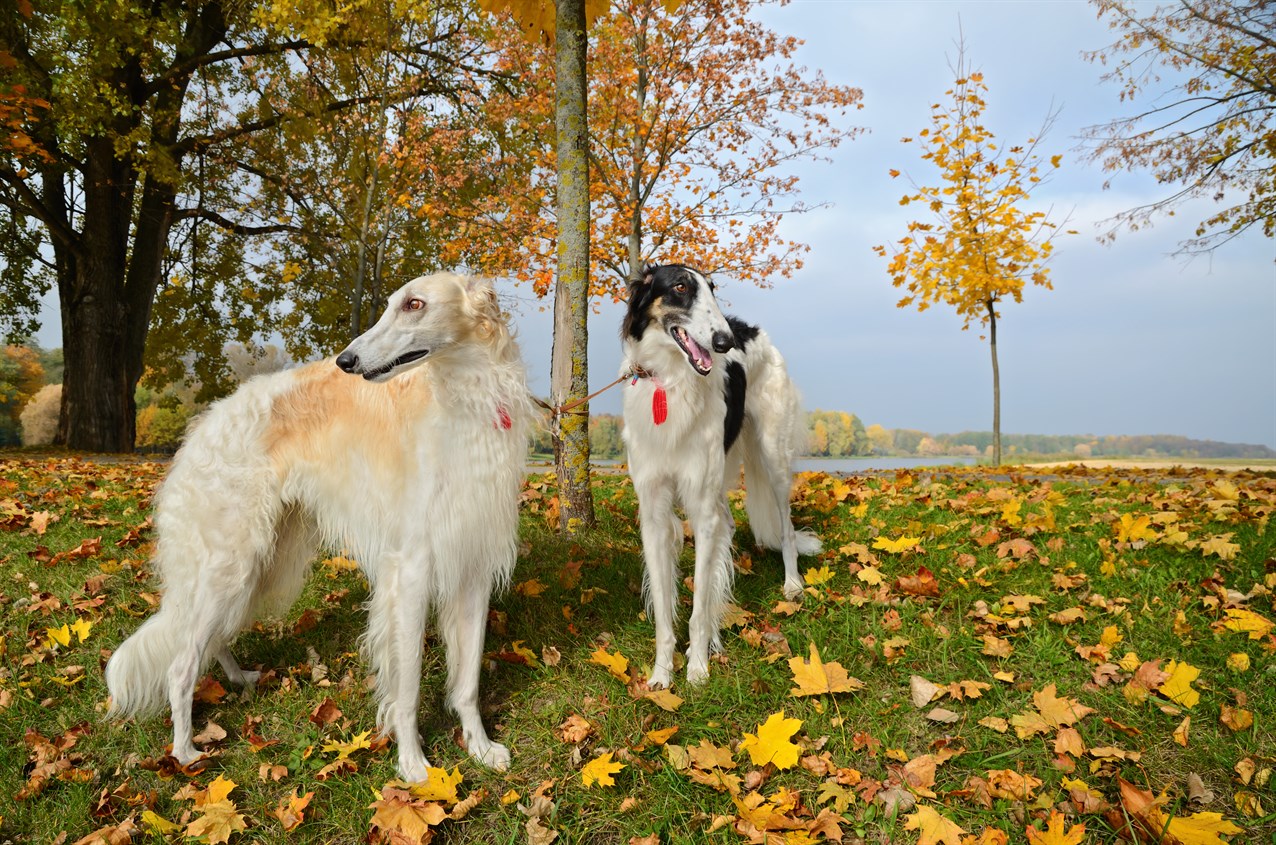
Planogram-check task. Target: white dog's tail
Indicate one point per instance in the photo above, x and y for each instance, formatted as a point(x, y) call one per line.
point(767, 511)
point(137, 673)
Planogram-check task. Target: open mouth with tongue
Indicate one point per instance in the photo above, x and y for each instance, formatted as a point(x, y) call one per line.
point(700, 360)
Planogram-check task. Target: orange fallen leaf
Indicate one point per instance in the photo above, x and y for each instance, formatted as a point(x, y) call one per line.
point(815, 677)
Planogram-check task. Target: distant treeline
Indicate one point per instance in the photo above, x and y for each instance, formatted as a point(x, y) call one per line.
point(837, 434)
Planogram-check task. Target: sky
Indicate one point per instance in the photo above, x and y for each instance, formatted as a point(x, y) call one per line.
point(1130, 341)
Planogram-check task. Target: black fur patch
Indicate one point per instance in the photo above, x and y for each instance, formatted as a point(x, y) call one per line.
point(735, 387)
point(743, 332)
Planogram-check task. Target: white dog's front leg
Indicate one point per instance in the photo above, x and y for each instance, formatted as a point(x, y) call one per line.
point(407, 607)
point(661, 543)
point(463, 622)
point(713, 549)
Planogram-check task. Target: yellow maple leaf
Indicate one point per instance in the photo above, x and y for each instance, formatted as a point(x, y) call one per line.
point(815, 677)
point(1059, 712)
point(932, 827)
point(438, 786)
point(870, 575)
point(220, 816)
point(896, 546)
point(1247, 622)
point(1220, 545)
point(617, 664)
point(772, 743)
point(600, 770)
point(1132, 528)
point(816, 577)
point(345, 749)
point(397, 813)
point(81, 628)
point(61, 636)
point(1178, 686)
point(1054, 833)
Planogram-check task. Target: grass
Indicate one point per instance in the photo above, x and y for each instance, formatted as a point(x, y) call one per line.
point(1163, 595)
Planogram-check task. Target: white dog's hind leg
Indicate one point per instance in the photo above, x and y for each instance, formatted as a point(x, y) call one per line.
point(661, 544)
point(243, 678)
point(462, 623)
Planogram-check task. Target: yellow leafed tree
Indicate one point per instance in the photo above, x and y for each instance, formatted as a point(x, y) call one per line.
point(980, 246)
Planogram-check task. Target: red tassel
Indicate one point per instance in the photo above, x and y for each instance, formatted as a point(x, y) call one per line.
point(659, 406)
point(505, 420)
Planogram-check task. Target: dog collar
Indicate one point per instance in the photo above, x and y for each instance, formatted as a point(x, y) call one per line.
point(659, 399)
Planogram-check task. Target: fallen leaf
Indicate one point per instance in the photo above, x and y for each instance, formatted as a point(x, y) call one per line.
point(932, 827)
point(600, 770)
point(1054, 833)
point(815, 677)
point(617, 664)
point(290, 810)
point(772, 743)
point(1177, 686)
point(922, 691)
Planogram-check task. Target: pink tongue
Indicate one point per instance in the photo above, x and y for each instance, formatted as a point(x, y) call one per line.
point(701, 357)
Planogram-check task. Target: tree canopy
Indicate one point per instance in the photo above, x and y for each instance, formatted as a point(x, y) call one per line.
point(1213, 135)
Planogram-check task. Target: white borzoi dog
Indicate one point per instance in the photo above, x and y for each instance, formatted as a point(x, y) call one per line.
point(418, 477)
point(709, 393)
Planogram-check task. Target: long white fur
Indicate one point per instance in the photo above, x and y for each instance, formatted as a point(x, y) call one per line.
point(682, 462)
point(417, 473)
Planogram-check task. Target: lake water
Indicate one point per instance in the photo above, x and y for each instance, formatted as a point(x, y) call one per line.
point(852, 465)
point(879, 463)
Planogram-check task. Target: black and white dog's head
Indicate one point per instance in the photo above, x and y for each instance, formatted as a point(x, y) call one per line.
point(673, 307)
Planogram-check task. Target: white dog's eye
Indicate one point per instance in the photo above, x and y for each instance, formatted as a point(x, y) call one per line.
point(413, 304)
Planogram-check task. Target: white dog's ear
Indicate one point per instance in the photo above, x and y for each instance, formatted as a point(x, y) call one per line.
point(481, 301)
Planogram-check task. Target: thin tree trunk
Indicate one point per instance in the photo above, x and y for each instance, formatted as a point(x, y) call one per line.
point(996, 385)
point(639, 153)
point(569, 369)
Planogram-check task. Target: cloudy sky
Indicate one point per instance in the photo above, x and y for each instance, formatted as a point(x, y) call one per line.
point(1130, 341)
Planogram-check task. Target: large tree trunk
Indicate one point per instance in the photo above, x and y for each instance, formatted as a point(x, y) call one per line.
point(569, 370)
point(996, 385)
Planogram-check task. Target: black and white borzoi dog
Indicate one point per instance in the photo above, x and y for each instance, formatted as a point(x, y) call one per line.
point(418, 477)
point(709, 392)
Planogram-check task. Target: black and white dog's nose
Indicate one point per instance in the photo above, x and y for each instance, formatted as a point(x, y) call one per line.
point(723, 341)
point(348, 361)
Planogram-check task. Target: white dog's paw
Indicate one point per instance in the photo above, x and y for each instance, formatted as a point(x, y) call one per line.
point(186, 754)
point(697, 673)
point(248, 679)
point(661, 678)
point(413, 767)
point(493, 755)
point(793, 590)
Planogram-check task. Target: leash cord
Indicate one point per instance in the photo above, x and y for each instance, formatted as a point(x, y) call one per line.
point(569, 408)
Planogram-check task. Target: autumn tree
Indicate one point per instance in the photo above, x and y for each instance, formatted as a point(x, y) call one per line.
point(1207, 69)
point(697, 116)
point(980, 245)
point(126, 129)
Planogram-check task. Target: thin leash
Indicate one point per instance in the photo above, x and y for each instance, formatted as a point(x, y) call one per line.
point(557, 411)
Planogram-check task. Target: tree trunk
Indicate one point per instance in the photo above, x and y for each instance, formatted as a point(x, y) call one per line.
point(639, 153)
point(996, 385)
point(569, 369)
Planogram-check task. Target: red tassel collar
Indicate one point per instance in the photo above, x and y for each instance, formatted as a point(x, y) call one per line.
point(659, 399)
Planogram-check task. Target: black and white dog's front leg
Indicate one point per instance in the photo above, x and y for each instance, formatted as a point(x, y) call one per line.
point(713, 528)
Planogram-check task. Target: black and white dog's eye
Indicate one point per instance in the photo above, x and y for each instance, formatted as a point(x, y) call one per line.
point(681, 287)
point(413, 304)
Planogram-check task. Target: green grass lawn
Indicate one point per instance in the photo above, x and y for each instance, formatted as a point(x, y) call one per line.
point(1021, 650)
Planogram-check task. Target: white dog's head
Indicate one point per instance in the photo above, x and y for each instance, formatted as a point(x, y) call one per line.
point(679, 303)
point(429, 317)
